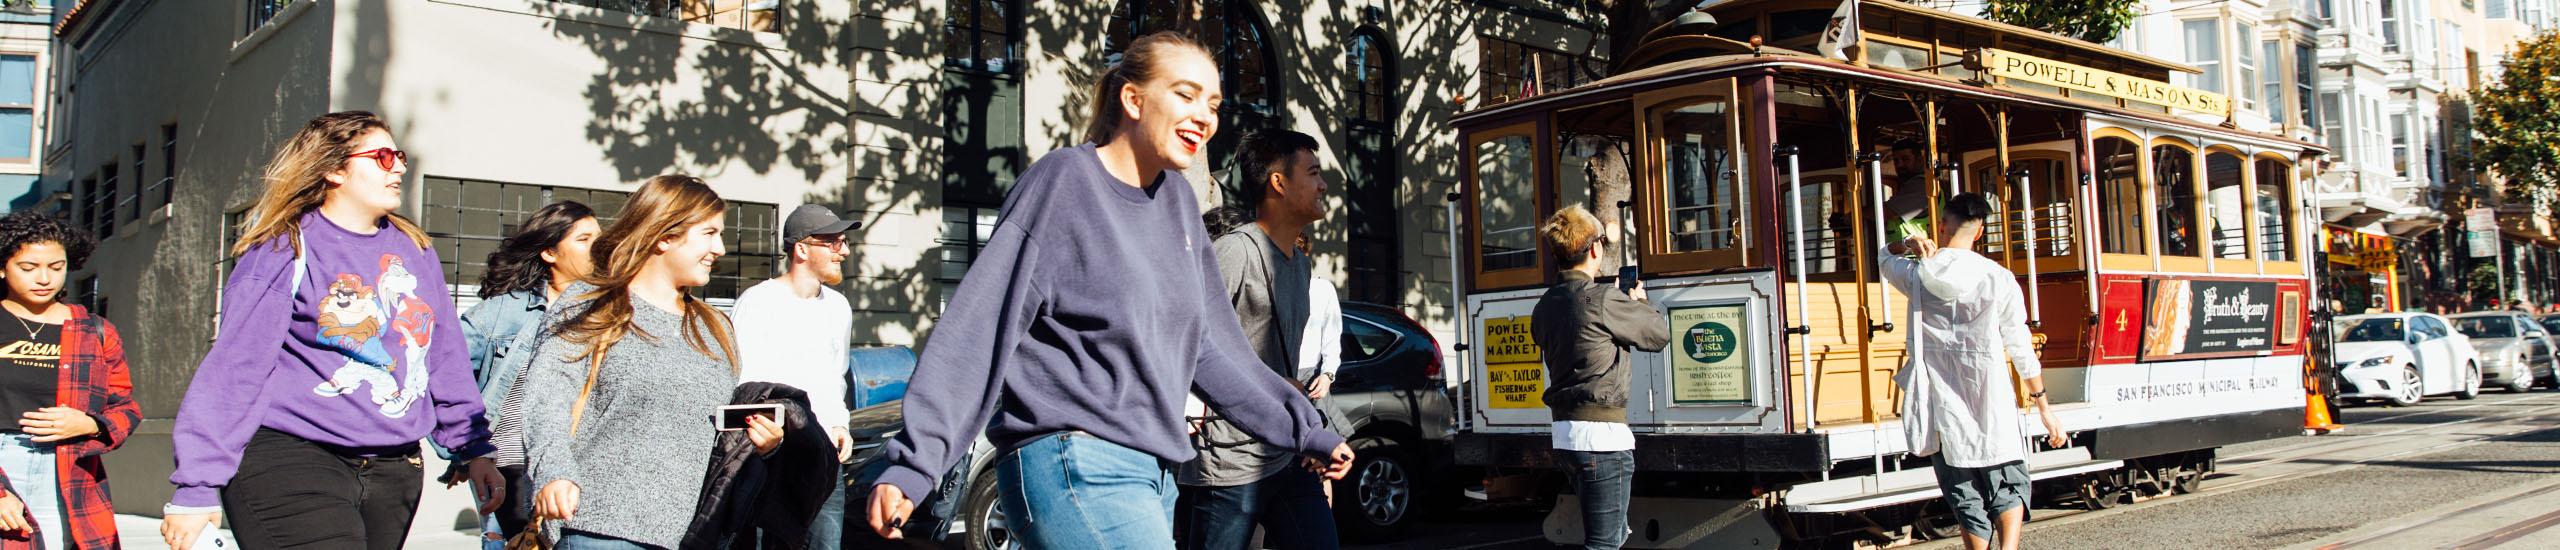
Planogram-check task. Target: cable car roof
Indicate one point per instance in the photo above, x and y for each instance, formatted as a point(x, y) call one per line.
point(1670, 73)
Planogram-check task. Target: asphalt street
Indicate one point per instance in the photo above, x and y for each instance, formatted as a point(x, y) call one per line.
point(2445, 473)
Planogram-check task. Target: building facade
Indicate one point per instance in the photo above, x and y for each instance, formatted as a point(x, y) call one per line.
point(165, 113)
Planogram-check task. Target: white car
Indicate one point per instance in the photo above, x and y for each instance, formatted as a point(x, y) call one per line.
point(2404, 357)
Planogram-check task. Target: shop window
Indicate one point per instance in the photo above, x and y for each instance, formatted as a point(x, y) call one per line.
point(2275, 210)
point(2173, 180)
point(2227, 203)
point(2119, 196)
point(468, 219)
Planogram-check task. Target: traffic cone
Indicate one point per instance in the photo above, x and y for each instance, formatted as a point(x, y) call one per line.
point(2315, 409)
point(2315, 415)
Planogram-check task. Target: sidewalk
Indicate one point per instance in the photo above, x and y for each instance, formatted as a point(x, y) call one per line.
point(444, 520)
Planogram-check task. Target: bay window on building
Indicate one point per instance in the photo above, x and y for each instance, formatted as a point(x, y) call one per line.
point(2203, 39)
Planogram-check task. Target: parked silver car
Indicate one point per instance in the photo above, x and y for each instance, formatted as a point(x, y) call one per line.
point(2515, 352)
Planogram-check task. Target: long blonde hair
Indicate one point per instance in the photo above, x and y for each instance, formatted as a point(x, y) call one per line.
point(294, 183)
point(660, 212)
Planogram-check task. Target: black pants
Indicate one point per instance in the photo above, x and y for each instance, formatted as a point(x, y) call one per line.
point(516, 511)
point(292, 493)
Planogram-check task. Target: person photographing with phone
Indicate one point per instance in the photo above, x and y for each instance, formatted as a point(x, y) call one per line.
point(1968, 318)
point(1584, 331)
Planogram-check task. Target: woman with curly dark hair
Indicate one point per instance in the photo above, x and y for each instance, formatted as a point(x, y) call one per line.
point(62, 374)
point(525, 274)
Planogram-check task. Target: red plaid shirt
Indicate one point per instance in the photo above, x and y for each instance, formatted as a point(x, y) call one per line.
point(92, 377)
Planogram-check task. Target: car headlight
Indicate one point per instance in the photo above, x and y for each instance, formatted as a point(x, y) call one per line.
point(2375, 361)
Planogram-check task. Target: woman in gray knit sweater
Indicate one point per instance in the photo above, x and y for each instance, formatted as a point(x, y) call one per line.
point(621, 394)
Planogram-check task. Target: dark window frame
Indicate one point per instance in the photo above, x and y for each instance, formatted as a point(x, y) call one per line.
point(1374, 271)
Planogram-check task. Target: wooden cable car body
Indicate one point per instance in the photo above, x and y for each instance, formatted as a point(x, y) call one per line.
point(2165, 260)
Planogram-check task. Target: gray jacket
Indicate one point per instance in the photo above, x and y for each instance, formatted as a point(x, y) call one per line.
point(640, 453)
point(1583, 330)
point(1267, 285)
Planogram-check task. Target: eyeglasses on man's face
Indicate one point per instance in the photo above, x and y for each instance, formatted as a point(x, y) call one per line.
point(837, 244)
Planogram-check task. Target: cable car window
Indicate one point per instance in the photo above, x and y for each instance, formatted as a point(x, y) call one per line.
point(2275, 210)
point(1703, 178)
point(2227, 206)
point(2119, 196)
point(1506, 172)
point(2173, 179)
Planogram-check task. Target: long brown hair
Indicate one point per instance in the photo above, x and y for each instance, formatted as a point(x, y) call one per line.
point(294, 182)
point(1140, 64)
point(658, 213)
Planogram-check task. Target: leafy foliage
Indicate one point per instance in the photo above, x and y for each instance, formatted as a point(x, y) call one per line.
point(2514, 133)
point(2091, 20)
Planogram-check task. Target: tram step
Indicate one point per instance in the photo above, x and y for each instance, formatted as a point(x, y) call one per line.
point(1918, 484)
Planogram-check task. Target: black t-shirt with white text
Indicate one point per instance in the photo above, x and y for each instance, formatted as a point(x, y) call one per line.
point(27, 369)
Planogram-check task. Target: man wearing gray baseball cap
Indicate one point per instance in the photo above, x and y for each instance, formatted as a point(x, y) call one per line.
point(795, 329)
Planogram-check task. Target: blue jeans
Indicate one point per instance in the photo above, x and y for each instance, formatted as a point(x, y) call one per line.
point(1604, 482)
point(30, 469)
point(827, 531)
point(1074, 491)
point(578, 540)
point(1289, 505)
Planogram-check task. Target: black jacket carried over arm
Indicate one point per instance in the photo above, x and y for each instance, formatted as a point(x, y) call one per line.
point(779, 493)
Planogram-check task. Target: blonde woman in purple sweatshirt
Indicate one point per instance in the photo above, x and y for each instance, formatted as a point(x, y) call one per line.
point(339, 349)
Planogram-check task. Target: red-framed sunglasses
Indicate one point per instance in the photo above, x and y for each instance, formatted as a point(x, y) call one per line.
point(385, 157)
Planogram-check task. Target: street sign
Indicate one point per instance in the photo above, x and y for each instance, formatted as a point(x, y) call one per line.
point(2480, 219)
point(2483, 244)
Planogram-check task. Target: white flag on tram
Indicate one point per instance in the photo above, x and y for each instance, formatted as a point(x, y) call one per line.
point(1842, 32)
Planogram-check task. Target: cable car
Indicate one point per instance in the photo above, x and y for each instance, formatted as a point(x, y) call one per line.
point(2162, 248)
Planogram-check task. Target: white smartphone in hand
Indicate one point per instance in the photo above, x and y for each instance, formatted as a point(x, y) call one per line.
point(734, 417)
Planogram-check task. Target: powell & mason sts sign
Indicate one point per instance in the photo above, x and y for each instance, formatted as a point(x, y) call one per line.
point(2037, 70)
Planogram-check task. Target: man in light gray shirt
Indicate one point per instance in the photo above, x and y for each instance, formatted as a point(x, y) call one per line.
point(1237, 482)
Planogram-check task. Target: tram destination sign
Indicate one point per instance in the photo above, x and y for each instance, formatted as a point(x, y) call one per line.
point(1514, 378)
point(2195, 318)
point(2027, 68)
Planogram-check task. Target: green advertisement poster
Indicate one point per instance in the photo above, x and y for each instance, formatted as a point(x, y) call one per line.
point(1710, 354)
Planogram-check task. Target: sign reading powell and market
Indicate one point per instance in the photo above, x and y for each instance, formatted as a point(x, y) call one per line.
point(2027, 68)
point(2192, 317)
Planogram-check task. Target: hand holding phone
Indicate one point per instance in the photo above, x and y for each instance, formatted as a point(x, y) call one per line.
point(734, 417)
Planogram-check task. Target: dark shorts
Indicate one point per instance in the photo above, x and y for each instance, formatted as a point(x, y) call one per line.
point(1976, 495)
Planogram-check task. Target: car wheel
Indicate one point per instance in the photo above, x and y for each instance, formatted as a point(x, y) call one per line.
point(1375, 501)
point(2522, 381)
point(2411, 388)
point(2470, 382)
point(988, 528)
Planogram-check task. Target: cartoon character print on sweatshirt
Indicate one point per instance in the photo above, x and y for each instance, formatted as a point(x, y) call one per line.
point(353, 321)
point(414, 321)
